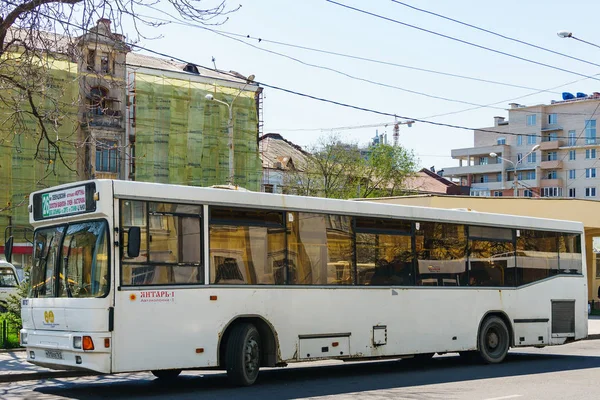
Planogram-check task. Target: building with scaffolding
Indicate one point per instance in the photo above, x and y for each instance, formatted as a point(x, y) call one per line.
point(130, 116)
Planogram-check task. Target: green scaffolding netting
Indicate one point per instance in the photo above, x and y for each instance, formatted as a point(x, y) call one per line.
point(182, 138)
point(20, 172)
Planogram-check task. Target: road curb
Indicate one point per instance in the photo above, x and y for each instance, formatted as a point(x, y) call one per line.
point(16, 349)
point(34, 376)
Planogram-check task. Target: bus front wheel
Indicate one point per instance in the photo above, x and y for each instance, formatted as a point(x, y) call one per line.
point(494, 340)
point(242, 355)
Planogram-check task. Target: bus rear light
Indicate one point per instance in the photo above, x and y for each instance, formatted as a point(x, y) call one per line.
point(76, 342)
point(107, 342)
point(200, 350)
point(213, 298)
point(88, 343)
point(23, 338)
point(335, 344)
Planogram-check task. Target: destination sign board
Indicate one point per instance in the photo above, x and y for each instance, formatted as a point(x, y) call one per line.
point(62, 202)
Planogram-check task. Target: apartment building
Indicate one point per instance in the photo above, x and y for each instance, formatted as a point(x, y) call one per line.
point(547, 150)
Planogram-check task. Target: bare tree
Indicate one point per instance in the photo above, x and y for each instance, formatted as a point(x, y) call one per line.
point(37, 34)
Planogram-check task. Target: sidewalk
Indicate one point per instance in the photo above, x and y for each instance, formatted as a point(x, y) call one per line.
point(14, 366)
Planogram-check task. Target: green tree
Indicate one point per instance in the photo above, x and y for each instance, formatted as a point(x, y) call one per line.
point(338, 169)
point(13, 303)
point(385, 170)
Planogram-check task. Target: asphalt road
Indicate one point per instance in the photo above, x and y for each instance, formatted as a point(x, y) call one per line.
point(565, 372)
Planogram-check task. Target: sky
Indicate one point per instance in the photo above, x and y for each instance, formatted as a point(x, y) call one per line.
point(323, 25)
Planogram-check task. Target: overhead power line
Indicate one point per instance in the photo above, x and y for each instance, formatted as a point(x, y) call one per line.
point(458, 40)
point(535, 46)
point(235, 36)
point(178, 21)
point(290, 91)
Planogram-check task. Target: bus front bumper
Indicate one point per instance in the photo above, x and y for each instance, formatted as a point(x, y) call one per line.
point(56, 350)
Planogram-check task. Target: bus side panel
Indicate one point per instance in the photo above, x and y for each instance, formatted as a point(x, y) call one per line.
point(166, 328)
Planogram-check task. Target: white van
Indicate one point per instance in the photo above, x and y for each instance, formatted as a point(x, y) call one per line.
point(9, 280)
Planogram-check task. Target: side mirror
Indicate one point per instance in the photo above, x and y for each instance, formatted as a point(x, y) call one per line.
point(133, 241)
point(8, 248)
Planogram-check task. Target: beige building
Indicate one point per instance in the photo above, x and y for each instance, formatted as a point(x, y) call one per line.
point(555, 148)
point(585, 211)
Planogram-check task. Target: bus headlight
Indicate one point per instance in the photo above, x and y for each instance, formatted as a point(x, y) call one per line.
point(23, 338)
point(76, 342)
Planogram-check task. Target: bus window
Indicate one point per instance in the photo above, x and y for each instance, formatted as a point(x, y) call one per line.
point(384, 259)
point(246, 246)
point(384, 252)
point(320, 249)
point(569, 253)
point(171, 244)
point(441, 254)
point(491, 256)
point(84, 267)
point(537, 255)
point(46, 244)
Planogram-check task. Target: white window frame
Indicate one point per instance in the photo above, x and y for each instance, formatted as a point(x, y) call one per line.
point(590, 173)
point(572, 155)
point(531, 120)
point(590, 191)
point(572, 138)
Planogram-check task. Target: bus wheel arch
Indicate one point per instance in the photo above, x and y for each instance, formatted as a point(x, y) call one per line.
point(270, 354)
point(499, 323)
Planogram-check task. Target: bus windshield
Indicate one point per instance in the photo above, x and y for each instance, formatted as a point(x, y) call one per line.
point(71, 261)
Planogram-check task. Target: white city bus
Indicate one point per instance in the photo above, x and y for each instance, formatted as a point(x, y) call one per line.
point(132, 276)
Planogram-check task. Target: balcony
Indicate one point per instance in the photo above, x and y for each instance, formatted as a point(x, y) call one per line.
point(109, 119)
point(479, 151)
point(491, 185)
point(551, 144)
point(557, 182)
point(555, 164)
point(473, 169)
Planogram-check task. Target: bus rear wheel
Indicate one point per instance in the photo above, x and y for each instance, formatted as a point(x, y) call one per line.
point(242, 355)
point(494, 340)
point(166, 374)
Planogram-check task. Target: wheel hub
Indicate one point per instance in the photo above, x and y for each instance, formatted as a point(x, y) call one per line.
point(492, 340)
point(251, 356)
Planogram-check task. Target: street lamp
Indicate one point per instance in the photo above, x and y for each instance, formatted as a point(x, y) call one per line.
point(567, 34)
point(210, 97)
point(515, 176)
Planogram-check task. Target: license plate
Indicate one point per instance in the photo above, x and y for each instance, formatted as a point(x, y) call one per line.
point(54, 354)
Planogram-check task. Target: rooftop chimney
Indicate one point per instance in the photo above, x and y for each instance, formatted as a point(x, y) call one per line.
point(104, 23)
point(514, 105)
point(498, 120)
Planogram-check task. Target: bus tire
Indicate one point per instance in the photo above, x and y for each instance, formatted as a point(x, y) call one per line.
point(166, 374)
point(494, 340)
point(242, 355)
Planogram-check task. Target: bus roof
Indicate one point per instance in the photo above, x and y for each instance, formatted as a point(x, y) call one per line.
point(215, 196)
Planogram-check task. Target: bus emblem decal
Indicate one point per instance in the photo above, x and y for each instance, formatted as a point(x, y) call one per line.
point(49, 317)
